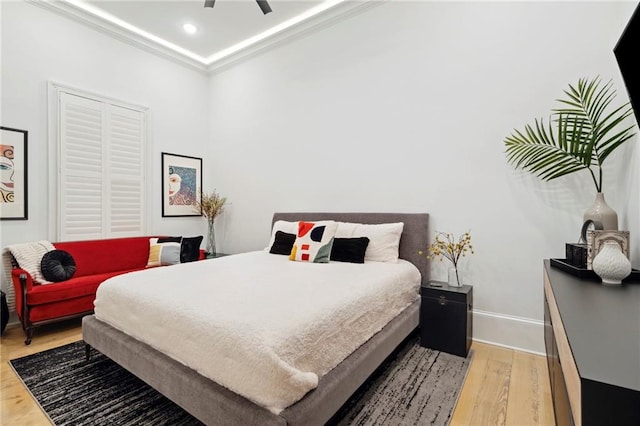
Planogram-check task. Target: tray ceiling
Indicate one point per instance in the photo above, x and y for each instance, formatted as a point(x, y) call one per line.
point(232, 28)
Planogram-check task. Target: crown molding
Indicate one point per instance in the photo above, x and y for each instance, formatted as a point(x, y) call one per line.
point(79, 15)
point(323, 19)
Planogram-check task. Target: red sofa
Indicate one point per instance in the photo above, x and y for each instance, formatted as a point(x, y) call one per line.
point(96, 261)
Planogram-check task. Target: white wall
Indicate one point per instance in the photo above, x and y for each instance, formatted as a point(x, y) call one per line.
point(405, 107)
point(37, 46)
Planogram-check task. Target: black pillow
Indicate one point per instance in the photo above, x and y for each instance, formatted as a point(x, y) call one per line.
point(283, 243)
point(169, 239)
point(190, 249)
point(349, 249)
point(57, 265)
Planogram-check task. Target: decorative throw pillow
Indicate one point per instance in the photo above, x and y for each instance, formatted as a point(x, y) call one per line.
point(283, 243)
point(314, 241)
point(164, 251)
point(284, 226)
point(384, 239)
point(29, 257)
point(57, 265)
point(349, 249)
point(190, 249)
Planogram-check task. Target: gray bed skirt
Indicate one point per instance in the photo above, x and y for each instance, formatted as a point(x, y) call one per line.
point(216, 405)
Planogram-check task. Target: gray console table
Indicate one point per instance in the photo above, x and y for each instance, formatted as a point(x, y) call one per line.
point(592, 340)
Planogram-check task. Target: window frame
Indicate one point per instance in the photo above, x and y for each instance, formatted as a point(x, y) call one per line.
point(54, 91)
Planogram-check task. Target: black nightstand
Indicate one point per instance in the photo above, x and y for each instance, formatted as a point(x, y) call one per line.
point(446, 322)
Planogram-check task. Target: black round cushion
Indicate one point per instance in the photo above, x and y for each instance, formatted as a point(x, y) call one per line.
point(57, 265)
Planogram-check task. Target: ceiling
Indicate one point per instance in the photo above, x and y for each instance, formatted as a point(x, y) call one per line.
point(230, 27)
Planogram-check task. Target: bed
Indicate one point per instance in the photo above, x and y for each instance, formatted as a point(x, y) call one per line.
point(214, 404)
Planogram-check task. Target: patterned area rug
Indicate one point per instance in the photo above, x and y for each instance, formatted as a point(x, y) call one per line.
point(415, 386)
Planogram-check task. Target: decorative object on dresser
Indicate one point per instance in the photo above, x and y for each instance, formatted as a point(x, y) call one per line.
point(596, 238)
point(13, 171)
point(588, 274)
point(446, 321)
point(611, 264)
point(580, 257)
point(181, 183)
point(586, 134)
point(593, 349)
point(601, 212)
point(446, 246)
point(576, 254)
point(211, 205)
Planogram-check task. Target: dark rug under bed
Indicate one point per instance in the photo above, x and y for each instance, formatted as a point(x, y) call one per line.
point(415, 386)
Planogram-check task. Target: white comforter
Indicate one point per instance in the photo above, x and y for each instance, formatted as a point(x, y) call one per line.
point(259, 324)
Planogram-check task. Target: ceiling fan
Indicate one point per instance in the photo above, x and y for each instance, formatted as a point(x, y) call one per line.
point(264, 6)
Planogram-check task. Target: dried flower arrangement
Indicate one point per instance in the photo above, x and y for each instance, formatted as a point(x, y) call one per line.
point(211, 204)
point(445, 246)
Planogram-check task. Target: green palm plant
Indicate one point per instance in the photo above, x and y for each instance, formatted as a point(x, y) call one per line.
point(584, 138)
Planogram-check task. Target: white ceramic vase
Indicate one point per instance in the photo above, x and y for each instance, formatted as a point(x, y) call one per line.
point(611, 264)
point(601, 212)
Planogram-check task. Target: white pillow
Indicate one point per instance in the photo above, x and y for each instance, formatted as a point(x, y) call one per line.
point(29, 257)
point(384, 239)
point(284, 226)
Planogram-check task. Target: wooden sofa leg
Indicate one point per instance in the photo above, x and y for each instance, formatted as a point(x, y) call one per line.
point(28, 330)
point(29, 333)
point(24, 318)
point(87, 351)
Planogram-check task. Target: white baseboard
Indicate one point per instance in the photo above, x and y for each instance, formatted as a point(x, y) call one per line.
point(13, 318)
point(523, 334)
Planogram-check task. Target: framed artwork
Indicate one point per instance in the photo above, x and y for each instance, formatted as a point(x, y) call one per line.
point(181, 184)
point(596, 238)
point(13, 174)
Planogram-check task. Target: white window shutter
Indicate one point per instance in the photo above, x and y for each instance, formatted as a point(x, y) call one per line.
point(101, 169)
point(125, 172)
point(80, 189)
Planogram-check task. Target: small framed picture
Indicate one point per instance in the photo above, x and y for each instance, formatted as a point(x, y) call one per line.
point(13, 174)
point(596, 238)
point(181, 185)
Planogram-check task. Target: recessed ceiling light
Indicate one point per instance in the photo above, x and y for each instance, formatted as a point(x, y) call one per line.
point(189, 28)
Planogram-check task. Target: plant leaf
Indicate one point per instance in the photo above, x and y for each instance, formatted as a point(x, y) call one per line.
point(585, 134)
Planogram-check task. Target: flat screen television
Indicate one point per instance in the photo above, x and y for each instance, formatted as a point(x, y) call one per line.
point(627, 53)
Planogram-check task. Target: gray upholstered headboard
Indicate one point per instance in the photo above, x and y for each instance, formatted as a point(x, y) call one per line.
point(415, 234)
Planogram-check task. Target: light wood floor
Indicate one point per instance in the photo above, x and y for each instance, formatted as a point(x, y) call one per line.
point(503, 386)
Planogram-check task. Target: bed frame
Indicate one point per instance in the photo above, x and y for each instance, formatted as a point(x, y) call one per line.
point(216, 405)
